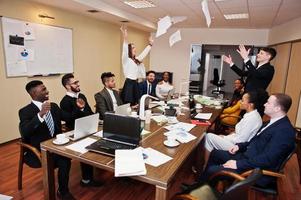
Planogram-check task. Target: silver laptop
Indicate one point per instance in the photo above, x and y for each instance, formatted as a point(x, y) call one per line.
point(84, 127)
point(123, 109)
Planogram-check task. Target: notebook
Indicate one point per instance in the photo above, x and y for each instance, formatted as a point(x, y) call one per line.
point(83, 127)
point(119, 132)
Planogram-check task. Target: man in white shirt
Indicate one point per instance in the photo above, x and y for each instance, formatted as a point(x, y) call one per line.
point(107, 99)
point(148, 86)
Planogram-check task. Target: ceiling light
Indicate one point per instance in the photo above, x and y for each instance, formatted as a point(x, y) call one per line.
point(219, 0)
point(237, 16)
point(140, 4)
point(92, 11)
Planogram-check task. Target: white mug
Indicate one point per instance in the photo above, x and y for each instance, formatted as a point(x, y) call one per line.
point(171, 138)
point(60, 137)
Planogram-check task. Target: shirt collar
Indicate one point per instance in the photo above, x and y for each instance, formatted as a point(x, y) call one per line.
point(37, 103)
point(72, 94)
point(250, 113)
point(260, 64)
point(276, 119)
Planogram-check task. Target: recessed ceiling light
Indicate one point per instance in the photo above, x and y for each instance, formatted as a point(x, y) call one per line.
point(140, 4)
point(219, 0)
point(237, 16)
point(92, 11)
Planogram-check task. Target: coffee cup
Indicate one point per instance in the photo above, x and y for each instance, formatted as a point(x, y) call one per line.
point(171, 139)
point(60, 137)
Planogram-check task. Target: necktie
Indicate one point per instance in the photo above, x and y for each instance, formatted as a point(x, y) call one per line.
point(50, 123)
point(149, 89)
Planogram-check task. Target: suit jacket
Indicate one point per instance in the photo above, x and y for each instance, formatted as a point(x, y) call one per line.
point(68, 104)
point(256, 78)
point(104, 102)
point(268, 149)
point(34, 132)
point(143, 88)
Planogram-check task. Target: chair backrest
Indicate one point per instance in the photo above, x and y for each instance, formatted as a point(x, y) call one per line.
point(282, 165)
point(215, 76)
point(240, 189)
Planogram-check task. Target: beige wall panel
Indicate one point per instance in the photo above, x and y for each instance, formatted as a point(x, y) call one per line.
point(293, 79)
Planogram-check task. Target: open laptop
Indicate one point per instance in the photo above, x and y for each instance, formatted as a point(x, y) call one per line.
point(119, 132)
point(123, 109)
point(83, 127)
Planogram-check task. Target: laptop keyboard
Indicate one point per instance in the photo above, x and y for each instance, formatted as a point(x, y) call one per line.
point(112, 145)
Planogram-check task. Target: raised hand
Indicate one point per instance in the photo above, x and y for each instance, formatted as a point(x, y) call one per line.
point(124, 32)
point(243, 52)
point(227, 59)
point(45, 108)
point(80, 103)
point(151, 40)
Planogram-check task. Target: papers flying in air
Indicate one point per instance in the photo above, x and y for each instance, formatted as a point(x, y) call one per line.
point(163, 25)
point(175, 37)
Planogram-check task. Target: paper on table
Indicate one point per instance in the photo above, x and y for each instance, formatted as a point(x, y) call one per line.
point(180, 135)
point(182, 126)
point(177, 19)
point(205, 116)
point(129, 162)
point(99, 134)
point(5, 197)
point(175, 37)
point(80, 146)
point(159, 118)
point(206, 12)
point(163, 25)
point(154, 157)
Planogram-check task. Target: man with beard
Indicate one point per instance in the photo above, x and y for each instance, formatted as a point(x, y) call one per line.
point(75, 104)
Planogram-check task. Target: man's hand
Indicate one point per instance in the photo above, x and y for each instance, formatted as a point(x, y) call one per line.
point(80, 103)
point(151, 40)
point(244, 53)
point(45, 108)
point(227, 59)
point(230, 164)
point(233, 149)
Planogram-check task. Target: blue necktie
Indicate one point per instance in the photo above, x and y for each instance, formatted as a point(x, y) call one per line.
point(50, 123)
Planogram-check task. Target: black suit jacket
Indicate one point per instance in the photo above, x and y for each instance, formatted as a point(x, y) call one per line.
point(256, 78)
point(143, 89)
point(104, 102)
point(72, 112)
point(34, 132)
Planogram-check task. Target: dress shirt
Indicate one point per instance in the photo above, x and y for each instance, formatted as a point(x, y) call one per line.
point(259, 64)
point(246, 128)
point(39, 105)
point(163, 89)
point(130, 69)
point(113, 98)
point(72, 94)
point(273, 120)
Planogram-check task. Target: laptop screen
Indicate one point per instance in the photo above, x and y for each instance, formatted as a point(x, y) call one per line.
point(121, 128)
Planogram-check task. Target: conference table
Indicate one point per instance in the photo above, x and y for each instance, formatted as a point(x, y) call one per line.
point(161, 177)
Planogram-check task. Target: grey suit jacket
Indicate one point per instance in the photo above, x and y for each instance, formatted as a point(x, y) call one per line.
point(104, 102)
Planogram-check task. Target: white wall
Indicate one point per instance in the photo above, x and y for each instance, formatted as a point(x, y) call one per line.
point(285, 32)
point(176, 58)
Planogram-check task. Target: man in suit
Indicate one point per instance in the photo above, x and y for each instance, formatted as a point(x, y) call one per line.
point(266, 150)
point(107, 99)
point(148, 86)
point(257, 77)
point(39, 121)
point(75, 105)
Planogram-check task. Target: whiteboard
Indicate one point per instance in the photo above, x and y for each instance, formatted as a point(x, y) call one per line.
point(298, 120)
point(36, 49)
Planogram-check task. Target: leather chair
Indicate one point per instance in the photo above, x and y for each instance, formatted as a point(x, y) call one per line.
point(218, 83)
point(238, 190)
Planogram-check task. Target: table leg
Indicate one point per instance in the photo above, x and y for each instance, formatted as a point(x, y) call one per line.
point(161, 193)
point(48, 175)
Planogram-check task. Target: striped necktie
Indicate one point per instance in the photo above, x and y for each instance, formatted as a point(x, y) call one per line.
point(50, 123)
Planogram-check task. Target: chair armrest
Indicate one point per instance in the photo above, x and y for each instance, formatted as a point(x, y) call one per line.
point(184, 197)
point(229, 174)
point(31, 148)
point(232, 116)
point(265, 172)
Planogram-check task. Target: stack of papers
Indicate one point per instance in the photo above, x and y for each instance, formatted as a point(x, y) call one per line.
point(181, 126)
point(129, 162)
point(205, 116)
point(180, 135)
point(81, 145)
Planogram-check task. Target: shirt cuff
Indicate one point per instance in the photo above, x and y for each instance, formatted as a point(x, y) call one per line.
point(231, 64)
point(246, 60)
point(40, 118)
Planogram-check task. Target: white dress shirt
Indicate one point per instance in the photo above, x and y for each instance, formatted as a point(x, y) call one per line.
point(72, 94)
point(113, 98)
point(130, 69)
point(163, 89)
point(246, 128)
point(39, 105)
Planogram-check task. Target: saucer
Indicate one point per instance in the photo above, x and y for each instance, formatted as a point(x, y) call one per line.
point(171, 144)
point(62, 142)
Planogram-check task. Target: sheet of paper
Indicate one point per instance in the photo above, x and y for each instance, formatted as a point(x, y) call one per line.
point(177, 19)
point(180, 135)
point(206, 12)
point(175, 37)
point(17, 68)
point(182, 126)
point(205, 116)
point(99, 134)
point(129, 162)
point(80, 146)
point(159, 118)
point(154, 158)
point(5, 197)
point(163, 25)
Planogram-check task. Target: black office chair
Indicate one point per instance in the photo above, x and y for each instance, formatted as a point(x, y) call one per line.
point(218, 83)
point(238, 190)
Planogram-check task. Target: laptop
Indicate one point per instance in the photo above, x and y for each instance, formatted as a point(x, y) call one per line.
point(119, 132)
point(84, 127)
point(123, 109)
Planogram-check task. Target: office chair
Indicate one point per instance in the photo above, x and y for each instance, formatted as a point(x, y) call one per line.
point(238, 190)
point(218, 83)
point(225, 128)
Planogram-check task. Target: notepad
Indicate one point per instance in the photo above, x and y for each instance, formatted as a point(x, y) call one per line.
point(205, 116)
point(129, 162)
